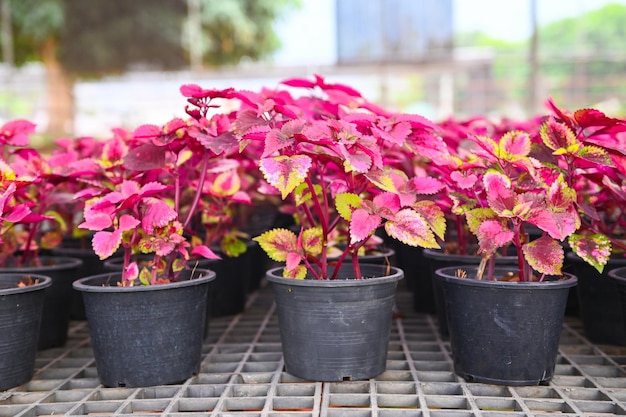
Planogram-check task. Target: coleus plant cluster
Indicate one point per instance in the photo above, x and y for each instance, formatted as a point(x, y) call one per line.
point(328, 152)
point(32, 201)
point(152, 189)
point(553, 176)
point(344, 167)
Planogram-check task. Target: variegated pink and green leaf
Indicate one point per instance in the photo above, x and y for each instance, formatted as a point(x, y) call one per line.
point(594, 248)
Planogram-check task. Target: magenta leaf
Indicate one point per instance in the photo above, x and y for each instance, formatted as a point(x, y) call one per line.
point(493, 234)
point(278, 139)
point(362, 225)
point(127, 222)
point(394, 133)
point(545, 255)
point(463, 180)
point(15, 132)
point(96, 221)
point(147, 131)
point(500, 197)
point(205, 252)
point(106, 243)
point(157, 214)
point(426, 185)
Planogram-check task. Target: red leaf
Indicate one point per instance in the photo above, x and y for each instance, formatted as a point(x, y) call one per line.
point(145, 157)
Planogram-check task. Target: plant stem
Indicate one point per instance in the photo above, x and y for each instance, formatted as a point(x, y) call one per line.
point(196, 197)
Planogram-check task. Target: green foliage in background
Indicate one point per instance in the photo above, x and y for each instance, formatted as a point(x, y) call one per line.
point(599, 33)
point(107, 36)
point(240, 29)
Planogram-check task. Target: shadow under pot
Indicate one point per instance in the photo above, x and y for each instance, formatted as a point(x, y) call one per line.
point(146, 335)
point(504, 333)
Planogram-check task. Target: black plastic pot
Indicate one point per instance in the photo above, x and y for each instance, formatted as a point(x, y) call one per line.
point(146, 335)
point(599, 302)
point(438, 259)
point(58, 300)
point(618, 275)
point(336, 330)
point(504, 333)
point(20, 319)
point(91, 265)
point(416, 272)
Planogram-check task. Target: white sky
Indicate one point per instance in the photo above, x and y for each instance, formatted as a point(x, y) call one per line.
point(308, 34)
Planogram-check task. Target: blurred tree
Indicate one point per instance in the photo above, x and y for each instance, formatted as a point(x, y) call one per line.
point(77, 39)
point(234, 30)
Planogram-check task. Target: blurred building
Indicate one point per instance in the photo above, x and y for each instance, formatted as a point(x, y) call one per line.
point(394, 31)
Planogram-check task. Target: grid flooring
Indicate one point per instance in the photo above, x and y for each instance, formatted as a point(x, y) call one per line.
point(242, 375)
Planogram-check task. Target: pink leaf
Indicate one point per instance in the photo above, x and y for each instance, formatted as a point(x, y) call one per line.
point(15, 132)
point(293, 260)
point(106, 243)
point(129, 188)
point(558, 224)
point(426, 185)
point(464, 181)
point(18, 213)
point(127, 222)
point(205, 252)
point(192, 90)
point(362, 225)
point(387, 201)
point(96, 221)
point(492, 235)
point(147, 131)
point(500, 197)
point(157, 214)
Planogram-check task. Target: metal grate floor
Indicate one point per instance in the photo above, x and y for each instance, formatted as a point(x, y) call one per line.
point(241, 375)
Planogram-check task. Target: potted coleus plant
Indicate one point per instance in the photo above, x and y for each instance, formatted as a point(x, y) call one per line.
point(325, 154)
point(497, 315)
point(22, 295)
point(31, 225)
point(144, 200)
point(601, 191)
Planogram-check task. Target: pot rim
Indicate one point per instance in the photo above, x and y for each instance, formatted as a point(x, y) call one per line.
point(44, 282)
point(396, 274)
point(443, 274)
point(85, 284)
point(613, 273)
point(62, 262)
point(438, 254)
